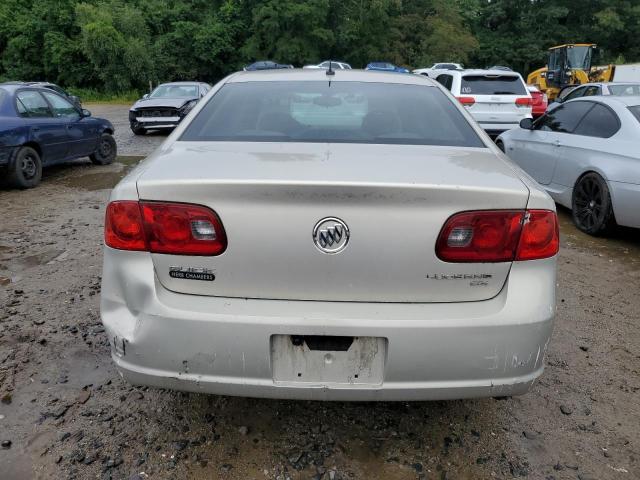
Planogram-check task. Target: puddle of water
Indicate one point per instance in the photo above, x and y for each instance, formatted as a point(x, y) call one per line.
point(18, 264)
point(102, 180)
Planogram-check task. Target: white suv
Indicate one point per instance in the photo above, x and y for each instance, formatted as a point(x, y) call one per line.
point(496, 99)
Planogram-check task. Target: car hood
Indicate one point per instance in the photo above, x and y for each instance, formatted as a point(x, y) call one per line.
point(161, 102)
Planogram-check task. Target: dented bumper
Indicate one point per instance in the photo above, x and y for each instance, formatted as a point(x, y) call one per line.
point(225, 346)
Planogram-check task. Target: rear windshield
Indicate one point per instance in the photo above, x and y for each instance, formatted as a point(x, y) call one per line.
point(332, 112)
point(625, 90)
point(492, 85)
point(635, 110)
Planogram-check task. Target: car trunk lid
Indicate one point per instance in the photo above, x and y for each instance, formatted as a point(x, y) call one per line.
point(393, 199)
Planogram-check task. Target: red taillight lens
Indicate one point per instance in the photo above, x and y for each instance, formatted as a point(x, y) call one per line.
point(172, 228)
point(466, 101)
point(540, 236)
point(483, 236)
point(123, 227)
point(498, 236)
point(523, 102)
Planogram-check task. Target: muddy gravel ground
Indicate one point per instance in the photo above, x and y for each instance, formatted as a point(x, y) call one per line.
point(66, 414)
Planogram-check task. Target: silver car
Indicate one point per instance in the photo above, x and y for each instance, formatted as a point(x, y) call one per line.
point(344, 236)
point(166, 106)
point(586, 154)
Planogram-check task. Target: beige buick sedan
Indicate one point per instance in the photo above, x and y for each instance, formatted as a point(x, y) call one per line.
point(330, 235)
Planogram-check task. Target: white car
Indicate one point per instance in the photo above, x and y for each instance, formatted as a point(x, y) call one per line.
point(496, 99)
point(586, 154)
point(325, 65)
point(353, 239)
point(617, 89)
point(438, 68)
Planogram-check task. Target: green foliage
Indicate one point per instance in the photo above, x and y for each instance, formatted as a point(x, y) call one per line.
point(122, 45)
point(91, 95)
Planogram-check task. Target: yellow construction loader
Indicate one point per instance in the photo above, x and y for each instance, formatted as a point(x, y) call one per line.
point(569, 64)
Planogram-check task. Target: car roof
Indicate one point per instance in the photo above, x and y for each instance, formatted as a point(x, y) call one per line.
point(607, 84)
point(13, 86)
point(299, 74)
point(181, 83)
point(611, 100)
point(478, 71)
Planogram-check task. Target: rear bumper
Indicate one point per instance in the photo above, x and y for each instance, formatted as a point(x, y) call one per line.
point(626, 198)
point(223, 345)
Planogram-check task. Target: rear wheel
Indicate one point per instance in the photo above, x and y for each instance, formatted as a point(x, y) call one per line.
point(591, 205)
point(106, 151)
point(26, 169)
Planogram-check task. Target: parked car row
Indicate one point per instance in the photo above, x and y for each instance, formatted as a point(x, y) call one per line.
point(40, 126)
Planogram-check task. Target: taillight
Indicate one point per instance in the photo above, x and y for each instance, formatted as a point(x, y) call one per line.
point(523, 102)
point(123, 227)
point(158, 227)
point(466, 101)
point(540, 237)
point(498, 236)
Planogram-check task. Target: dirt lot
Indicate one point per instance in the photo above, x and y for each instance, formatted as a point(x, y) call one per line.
point(65, 412)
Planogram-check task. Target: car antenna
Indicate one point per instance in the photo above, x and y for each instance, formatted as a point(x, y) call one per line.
point(330, 71)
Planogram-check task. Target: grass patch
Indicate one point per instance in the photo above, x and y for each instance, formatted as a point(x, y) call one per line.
point(89, 95)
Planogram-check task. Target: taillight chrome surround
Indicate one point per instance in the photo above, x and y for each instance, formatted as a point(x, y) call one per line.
point(498, 236)
point(164, 227)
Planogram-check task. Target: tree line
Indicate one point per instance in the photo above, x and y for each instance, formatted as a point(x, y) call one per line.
point(118, 45)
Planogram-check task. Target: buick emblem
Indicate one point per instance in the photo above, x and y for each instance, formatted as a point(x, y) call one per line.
point(331, 235)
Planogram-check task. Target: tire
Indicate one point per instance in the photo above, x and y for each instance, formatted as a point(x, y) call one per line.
point(591, 205)
point(25, 169)
point(106, 151)
point(138, 130)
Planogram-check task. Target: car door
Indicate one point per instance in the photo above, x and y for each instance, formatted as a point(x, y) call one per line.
point(588, 144)
point(537, 151)
point(81, 132)
point(49, 132)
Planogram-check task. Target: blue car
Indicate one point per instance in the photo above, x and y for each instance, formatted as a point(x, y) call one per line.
point(385, 67)
point(39, 127)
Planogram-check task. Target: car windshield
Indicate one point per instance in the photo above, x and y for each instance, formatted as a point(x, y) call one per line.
point(445, 66)
point(635, 110)
point(332, 112)
point(175, 91)
point(492, 85)
point(625, 90)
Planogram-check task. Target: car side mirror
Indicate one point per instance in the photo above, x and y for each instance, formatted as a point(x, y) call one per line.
point(526, 123)
point(145, 96)
point(86, 113)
